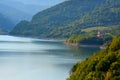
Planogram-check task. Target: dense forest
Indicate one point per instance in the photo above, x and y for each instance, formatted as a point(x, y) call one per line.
point(103, 65)
point(88, 40)
point(89, 35)
point(107, 14)
point(44, 23)
point(70, 17)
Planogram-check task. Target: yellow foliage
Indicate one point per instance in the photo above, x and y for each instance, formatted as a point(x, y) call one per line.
point(108, 75)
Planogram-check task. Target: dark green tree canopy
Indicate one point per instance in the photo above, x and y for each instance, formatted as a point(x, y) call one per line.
point(105, 65)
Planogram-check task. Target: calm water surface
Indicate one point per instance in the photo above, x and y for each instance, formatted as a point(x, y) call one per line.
point(37, 59)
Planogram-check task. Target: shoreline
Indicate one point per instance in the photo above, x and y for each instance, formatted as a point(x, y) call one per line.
point(38, 37)
point(84, 45)
point(64, 42)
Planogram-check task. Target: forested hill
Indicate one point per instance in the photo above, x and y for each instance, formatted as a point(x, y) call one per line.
point(107, 14)
point(43, 23)
point(104, 65)
point(70, 17)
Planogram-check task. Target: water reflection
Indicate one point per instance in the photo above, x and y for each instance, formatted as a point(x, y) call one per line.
point(36, 59)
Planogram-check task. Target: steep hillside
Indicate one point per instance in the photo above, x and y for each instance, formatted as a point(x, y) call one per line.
point(104, 65)
point(107, 14)
point(43, 23)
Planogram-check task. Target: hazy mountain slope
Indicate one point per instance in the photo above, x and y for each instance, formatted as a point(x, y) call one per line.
point(39, 2)
point(44, 22)
point(16, 11)
point(12, 13)
point(11, 16)
point(4, 23)
point(30, 9)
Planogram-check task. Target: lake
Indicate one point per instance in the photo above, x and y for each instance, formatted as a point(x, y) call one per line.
point(38, 59)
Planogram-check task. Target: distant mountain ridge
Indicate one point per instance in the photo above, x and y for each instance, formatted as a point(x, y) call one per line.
point(12, 13)
point(4, 23)
point(15, 11)
point(69, 18)
point(30, 9)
